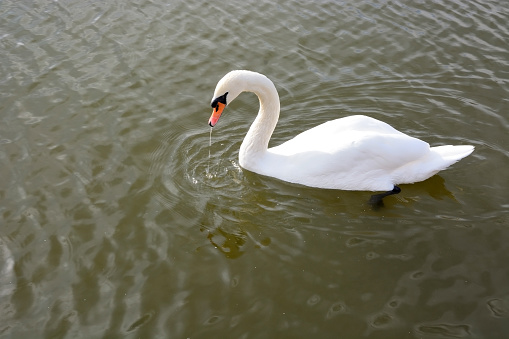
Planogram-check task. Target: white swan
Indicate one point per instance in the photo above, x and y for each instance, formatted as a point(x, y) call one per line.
point(351, 153)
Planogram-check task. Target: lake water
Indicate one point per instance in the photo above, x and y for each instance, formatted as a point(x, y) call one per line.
point(116, 222)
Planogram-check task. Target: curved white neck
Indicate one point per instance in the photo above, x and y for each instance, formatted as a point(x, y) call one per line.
point(256, 142)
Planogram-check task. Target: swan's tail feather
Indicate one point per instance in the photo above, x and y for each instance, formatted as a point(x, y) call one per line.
point(452, 154)
point(444, 156)
point(438, 159)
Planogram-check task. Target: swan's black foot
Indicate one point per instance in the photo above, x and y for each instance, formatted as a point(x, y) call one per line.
point(376, 200)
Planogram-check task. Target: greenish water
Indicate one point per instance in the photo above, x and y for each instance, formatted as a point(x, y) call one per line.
point(116, 222)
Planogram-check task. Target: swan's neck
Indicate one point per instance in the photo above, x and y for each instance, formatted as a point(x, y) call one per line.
point(256, 142)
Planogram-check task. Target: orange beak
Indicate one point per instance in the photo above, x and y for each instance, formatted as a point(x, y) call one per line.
point(216, 113)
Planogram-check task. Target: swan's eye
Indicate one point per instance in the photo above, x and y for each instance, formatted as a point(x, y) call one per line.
point(219, 99)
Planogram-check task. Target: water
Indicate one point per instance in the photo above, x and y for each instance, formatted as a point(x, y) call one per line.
point(116, 222)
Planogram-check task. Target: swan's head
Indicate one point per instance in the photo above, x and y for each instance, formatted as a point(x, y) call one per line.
point(227, 89)
point(218, 104)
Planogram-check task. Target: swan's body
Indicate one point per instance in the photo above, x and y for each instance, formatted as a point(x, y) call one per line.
point(352, 153)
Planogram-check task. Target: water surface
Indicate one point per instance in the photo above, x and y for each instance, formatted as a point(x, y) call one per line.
point(117, 223)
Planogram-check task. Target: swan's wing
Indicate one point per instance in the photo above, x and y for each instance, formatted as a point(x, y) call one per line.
point(357, 141)
point(389, 151)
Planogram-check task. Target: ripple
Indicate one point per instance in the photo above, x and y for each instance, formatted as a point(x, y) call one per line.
point(7, 276)
point(446, 330)
point(313, 300)
point(381, 320)
point(499, 308)
point(140, 322)
point(336, 309)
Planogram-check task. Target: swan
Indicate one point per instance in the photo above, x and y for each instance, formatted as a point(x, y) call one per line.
point(351, 153)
